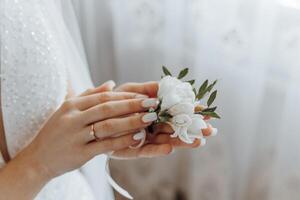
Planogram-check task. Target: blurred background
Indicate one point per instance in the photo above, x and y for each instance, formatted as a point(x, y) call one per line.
point(252, 47)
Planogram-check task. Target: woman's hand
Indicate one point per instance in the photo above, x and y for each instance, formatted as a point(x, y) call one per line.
point(65, 142)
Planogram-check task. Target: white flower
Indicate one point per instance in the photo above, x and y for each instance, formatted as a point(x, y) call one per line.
point(188, 128)
point(172, 91)
point(180, 124)
point(195, 129)
point(178, 100)
point(166, 84)
point(182, 108)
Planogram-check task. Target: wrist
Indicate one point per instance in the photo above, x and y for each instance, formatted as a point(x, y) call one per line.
point(33, 167)
point(23, 177)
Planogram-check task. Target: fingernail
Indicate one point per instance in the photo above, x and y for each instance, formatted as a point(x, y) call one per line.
point(139, 136)
point(111, 84)
point(214, 132)
point(173, 151)
point(148, 103)
point(150, 117)
point(141, 96)
point(202, 142)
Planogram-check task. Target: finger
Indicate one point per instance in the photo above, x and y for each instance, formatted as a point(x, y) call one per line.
point(126, 132)
point(117, 108)
point(209, 131)
point(107, 86)
point(89, 101)
point(176, 142)
point(111, 127)
point(111, 144)
point(146, 151)
point(90, 137)
point(206, 118)
point(148, 88)
point(162, 128)
point(166, 128)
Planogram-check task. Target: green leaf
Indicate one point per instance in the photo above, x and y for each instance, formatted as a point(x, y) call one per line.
point(215, 115)
point(194, 90)
point(183, 73)
point(202, 90)
point(191, 82)
point(213, 109)
point(166, 71)
point(164, 117)
point(211, 86)
point(211, 98)
point(204, 85)
point(211, 114)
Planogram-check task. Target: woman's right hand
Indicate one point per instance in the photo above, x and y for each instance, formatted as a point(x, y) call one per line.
point(64, 143)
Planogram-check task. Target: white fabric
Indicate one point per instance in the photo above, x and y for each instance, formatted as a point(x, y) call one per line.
point(38, 59)
point(253, 47)
point(290, 3)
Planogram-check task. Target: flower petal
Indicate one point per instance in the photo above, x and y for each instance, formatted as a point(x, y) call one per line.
point(165, 84)
point(183, 136)
point(182, 108)
point(173, 91)
point(192, 136)
point(169, 100)
point(181, 120)
point(197, 125)
point(176, 131)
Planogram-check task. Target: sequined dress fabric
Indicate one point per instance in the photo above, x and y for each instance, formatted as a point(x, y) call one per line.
point(34, 82)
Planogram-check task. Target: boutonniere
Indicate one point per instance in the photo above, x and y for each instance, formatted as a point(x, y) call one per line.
point(180, 105)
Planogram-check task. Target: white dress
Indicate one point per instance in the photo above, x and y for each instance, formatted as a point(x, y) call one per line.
point(39, 60)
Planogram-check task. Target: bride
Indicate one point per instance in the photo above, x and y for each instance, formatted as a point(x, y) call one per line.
point(52, 124)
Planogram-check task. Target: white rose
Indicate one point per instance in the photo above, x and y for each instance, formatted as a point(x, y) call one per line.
point(182, 108)
point(173, 91)
point(166, 84)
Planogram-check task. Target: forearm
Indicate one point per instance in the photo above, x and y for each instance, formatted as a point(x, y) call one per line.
point(22, 178)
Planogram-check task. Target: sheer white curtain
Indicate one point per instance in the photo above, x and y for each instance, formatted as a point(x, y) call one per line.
point(252, 47)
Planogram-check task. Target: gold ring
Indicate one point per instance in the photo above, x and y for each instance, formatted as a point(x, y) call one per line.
point(93, 133)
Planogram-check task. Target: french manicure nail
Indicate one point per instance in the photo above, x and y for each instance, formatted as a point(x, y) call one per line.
point(173, 151)
point(150, 117)
point(111, 83)
point(214, 132)
point(139, 136)
point(202, 142)
point(148, 103)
